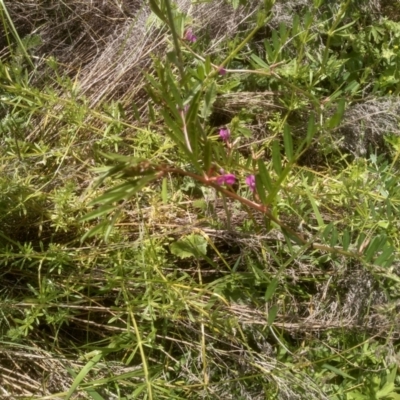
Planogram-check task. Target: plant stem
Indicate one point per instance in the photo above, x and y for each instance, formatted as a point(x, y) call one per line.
point(175, 39)
point(263, 209)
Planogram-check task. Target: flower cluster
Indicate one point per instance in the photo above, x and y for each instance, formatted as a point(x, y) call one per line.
point(230, 179)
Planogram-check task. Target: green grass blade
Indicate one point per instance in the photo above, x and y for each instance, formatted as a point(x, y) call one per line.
point(82, 374)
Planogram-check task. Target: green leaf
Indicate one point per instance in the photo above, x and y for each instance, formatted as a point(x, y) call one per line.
point(352, 87)
point(111, 224)
point(374, 246)
point(272, 312)
point(385, 391)
point(386, 257)
point(344, 26)
point(99, 228)
point(356, 395)
point(99, 212)
point(124, 191)
point(156, 10)
point(173, 89)
point(388, 388)
point(295, 25)
point(337, 371)
point(191, 246)
point(259, 62)
point(334, 237)
point(271, 289)
point(327, 231)
point(84, 371)
point(209, 99)
point(207, 65)
point(152, 114)
point(261, 190)
point(164, 191)
point(314, 206)
point(276, 157)
point(207, 155)
point(310, 129)
point(335, 120)
point(237, 263)
point(288, 142)
point(264, 175)
point(346, 239)
point(261, 19)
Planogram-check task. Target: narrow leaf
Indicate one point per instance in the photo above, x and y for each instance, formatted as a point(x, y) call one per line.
point(164, 191)
point(271, 289)
point(207, 155)
point(272, 312)
point(346, 240)
point(264, 175)
point(209, 99)
point(337, 371)
point(174, 90)
point(288, 142)
point(314, 206)
point(276, 157)
point(99, 212)
point(85, 370)
point(156, 10)
point(327, 232)
point(310, 129)
point(337, 117)
point(386, 257)
point(259, 61)
point(374, 247)
point(261, 190)
point(334, 237)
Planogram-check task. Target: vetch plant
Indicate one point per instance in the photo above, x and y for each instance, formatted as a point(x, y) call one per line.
point(197, 88)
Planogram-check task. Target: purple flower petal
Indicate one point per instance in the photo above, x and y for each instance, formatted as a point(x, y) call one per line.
point(226, 179)
point(224, 134)
point(189, 36)
point(251, 182)
point(221, 70)
point(230, 179)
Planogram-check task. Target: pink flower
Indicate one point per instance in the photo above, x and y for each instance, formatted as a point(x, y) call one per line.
point(251, 182)
point(224, 134)
point(226, 179)
point(221, 70)
point(189, 35)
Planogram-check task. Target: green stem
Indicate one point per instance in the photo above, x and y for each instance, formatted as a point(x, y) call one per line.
point(175, 39)
point(331, 33)
point(141, 349)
